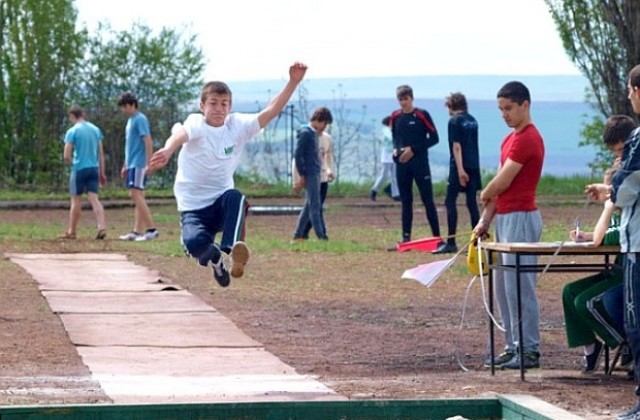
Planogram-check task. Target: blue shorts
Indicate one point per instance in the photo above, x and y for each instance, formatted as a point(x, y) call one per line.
point(84, 180)
point(136, 178)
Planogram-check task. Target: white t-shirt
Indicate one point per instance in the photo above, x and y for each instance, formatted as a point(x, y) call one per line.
point(208, 160)
point(326, 155)
point(386, 151)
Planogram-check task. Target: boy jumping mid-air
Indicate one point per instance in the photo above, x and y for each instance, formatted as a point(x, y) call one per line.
point(211, 146)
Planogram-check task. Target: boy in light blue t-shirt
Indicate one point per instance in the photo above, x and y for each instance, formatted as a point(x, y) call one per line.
point(137, 152)
point(84, 152)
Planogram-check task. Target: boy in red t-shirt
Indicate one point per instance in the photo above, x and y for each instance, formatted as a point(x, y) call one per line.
point(510, 198)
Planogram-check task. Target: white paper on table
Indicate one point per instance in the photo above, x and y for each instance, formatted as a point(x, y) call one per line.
point(572, 243)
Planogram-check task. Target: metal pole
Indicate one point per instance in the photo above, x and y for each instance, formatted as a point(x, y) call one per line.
point(291, 138)
point(287, 169)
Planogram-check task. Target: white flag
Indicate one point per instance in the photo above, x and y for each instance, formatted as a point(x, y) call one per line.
point(427, 274)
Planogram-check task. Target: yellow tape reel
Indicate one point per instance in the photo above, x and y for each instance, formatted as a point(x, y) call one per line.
point(472, 257)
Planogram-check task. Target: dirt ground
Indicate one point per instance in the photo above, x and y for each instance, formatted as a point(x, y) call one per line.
point(345, 317)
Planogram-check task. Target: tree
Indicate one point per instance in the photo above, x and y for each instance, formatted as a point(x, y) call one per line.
point(601, 38)
point(39, 50)
point(271, 155)
point(164, 71)
point(346, 132)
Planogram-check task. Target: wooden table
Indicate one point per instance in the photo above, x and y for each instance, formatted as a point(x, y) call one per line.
point(519, 249)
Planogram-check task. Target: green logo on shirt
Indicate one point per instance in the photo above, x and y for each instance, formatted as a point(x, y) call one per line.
point(228, 150)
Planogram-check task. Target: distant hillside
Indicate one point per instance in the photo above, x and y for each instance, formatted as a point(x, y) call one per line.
point(559, 88)
point(559, 122)
point(558, 109)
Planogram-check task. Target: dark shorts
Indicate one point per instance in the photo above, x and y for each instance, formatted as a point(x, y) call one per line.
point(84, 180)
point(136, 178)
point(474, 184)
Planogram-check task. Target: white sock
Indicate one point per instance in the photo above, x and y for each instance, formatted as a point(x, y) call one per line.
point(589, 349)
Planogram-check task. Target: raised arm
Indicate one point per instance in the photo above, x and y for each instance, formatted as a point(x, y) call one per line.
point(277, 104)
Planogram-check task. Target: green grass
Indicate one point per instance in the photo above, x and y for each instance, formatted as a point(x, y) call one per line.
point(553, 232)
point(109, 193)
point(31, 231)
point(563, 191)
point(549, 186)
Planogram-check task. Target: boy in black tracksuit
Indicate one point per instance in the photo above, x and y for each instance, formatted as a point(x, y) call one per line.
point(413, 133)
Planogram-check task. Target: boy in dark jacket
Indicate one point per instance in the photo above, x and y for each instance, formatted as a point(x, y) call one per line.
point(308, 164)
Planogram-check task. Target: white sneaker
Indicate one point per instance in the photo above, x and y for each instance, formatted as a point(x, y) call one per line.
point(131, 236)
point(148, 236)
point(220, 272)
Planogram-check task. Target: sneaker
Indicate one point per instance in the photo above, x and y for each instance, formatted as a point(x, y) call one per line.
point(101, 234)
point(626, 358)
point(239, 257)
point(131, 236)
point(445, 248)
point(373, 195)
point(592, 360)
point(67, 235)
point(500, 359)
point(220, 272)
point(531, 361)
point(149, 235)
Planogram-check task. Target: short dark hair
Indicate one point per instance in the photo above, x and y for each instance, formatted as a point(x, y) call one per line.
point(456, 102)
point(322, 114)
point(515, 91)
point(617, 129)
point(128, 98)
point(214, 88)
point(404, 90)
point(387, 120)
point(634, 76)
point(76, 111)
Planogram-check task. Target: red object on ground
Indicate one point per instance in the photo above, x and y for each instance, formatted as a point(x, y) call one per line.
point(424, 244)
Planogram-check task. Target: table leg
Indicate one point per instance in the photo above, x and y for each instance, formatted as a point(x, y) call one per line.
point(492, 346)
point(520, 346)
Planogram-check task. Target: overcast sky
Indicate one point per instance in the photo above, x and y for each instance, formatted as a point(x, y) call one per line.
point(259, 39)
